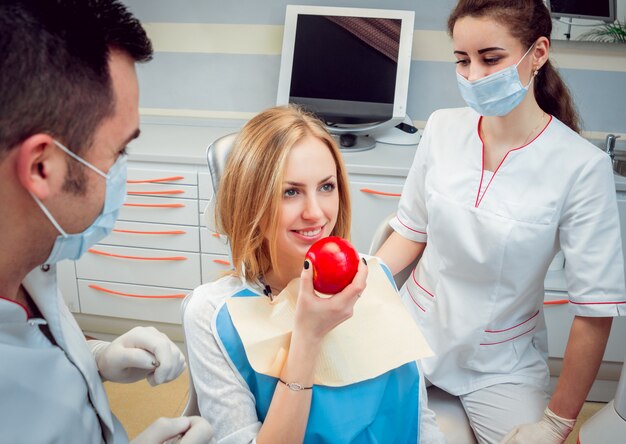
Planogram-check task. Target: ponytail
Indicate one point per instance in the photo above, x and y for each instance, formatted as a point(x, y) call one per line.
point(554, 97)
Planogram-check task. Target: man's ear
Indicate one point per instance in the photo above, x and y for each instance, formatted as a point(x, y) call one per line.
point(40, 167)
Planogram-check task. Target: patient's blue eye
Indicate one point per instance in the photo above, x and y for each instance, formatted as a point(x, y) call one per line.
point(327, 187)
point(291, 192)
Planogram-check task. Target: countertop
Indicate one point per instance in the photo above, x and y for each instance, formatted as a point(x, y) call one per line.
point(186, 143)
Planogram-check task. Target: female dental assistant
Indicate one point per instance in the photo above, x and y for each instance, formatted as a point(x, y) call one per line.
point(494, 192)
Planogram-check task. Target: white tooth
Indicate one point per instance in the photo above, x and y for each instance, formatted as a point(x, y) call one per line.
point(311, 233)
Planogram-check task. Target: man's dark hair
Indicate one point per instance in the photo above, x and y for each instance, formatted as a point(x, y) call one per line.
point(54, 74)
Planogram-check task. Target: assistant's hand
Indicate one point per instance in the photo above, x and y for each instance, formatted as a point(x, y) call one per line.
point(552, 429)
point(143, 352)
point(316, 316)
point(183, 430)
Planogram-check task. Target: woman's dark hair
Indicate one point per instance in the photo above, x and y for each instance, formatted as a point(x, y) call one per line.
point(54, 74)
point(526, 20)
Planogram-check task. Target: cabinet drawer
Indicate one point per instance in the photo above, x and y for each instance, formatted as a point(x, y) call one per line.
point(559, 321)
point(205, 185)
point(141, 302)
point(371, 204)
point(146, 235)
point(211, 242)
point(138, 266)
point(160, 210)
point(214, 266)
point(162, 190)
point(138, 175)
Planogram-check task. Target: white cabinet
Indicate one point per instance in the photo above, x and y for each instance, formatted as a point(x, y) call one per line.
point(373, 199)
point(151, 260)
point(158, 252)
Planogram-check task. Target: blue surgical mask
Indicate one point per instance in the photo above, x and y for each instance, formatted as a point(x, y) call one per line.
point(496, 94)
point(73, 246)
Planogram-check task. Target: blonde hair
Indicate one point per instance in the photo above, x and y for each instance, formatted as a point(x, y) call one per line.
point(251, 189)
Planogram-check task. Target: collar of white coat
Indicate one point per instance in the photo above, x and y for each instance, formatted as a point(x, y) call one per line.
point(44, 291)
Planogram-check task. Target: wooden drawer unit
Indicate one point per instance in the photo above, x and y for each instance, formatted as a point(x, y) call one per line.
point(140, 266)
point(128, 301)
point(148, 235)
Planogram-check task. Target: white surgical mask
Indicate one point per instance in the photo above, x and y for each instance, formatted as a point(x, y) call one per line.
point(496, 94)
point(73, 246)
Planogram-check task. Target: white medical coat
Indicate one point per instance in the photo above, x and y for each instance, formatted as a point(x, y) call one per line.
point(477, 292)
point(50, 393)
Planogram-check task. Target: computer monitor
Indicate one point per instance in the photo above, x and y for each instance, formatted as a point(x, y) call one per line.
point(349, 66)
point(603, 10)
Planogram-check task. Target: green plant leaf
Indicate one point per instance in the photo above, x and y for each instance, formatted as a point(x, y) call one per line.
point(607, 33)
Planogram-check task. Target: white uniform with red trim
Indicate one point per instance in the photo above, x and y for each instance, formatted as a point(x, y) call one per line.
point(51, 391)
point(477, 292)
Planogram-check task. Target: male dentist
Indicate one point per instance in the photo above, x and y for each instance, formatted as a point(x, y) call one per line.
point(68, 107)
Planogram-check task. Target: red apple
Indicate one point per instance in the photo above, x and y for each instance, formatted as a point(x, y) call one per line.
point(335, 262)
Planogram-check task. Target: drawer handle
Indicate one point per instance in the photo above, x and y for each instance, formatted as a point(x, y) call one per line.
point(139, 258)
point(156, 193)
point(162, 179)
point(116, 230)
point(221, 262)
point(169, 205)
point(379, 193)
point(556, 302)
point(132, 295)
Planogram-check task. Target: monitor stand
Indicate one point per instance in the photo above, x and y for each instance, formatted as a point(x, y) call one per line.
point(402, 134)
point(352, 143)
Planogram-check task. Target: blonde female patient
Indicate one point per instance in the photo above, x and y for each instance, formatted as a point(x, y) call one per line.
point(285, 187)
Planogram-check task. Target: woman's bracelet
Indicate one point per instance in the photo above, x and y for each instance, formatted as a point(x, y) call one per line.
point(294, 386)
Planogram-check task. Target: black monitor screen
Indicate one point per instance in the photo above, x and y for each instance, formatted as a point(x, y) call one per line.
point(592, 8)
point(346, 60)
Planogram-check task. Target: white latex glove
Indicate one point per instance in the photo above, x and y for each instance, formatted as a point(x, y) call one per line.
point(143, 352)
point(183, 430)
point(552, 429)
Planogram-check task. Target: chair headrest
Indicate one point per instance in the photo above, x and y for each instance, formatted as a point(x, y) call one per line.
point(217, 154)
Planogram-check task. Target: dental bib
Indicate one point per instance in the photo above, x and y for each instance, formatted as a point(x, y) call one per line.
point(352, 352)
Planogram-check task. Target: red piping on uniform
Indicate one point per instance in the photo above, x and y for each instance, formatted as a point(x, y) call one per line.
point(28, 316)
point(405, 225)
point(510, 328)
point(479, 198)
point(418, 284)
point(596, 303)
point(414, 301)
point(510, 339)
